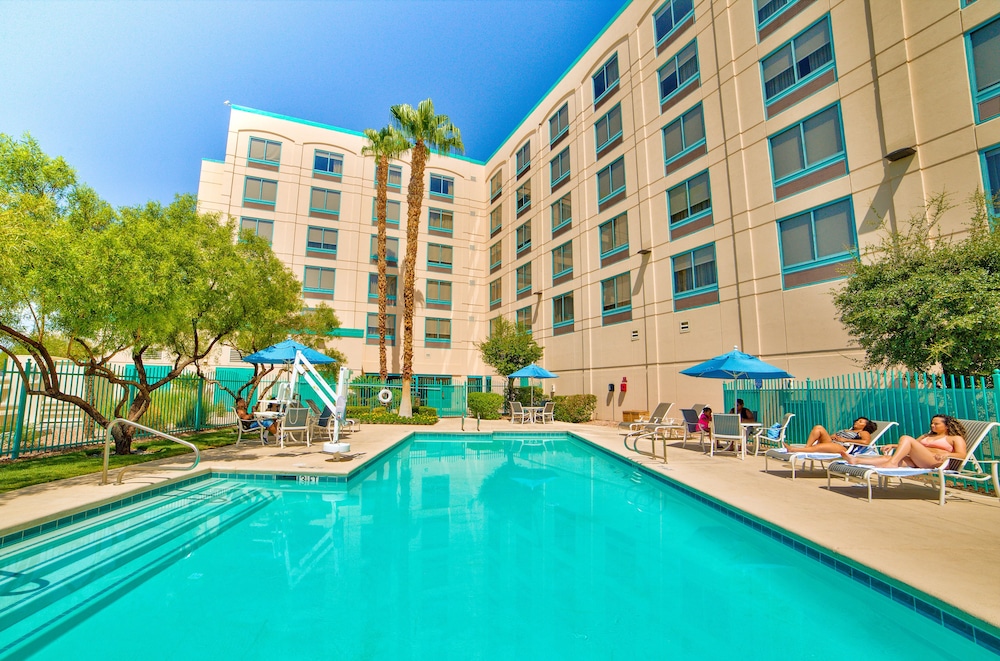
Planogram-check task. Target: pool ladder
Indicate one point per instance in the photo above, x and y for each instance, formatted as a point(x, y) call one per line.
point(123, 421)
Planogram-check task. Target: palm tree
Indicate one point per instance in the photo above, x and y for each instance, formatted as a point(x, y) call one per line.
point(425, 130)
point(384, 145)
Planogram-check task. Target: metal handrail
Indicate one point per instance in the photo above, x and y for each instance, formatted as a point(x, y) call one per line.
point(123, 421)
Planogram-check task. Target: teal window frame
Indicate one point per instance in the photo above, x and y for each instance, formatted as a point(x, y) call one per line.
point(559, 167)
point(562, 310)
point(389, 204)
point(441, 220)
point(522, 159)
point(606, 79)
point(701, 283)
point(522, 278)
point(807, 221)
point(441, 333)
point(522, 318)
point(814, 162)
point(442, 186)
point(443, 250)
point(669, 16)
point(559, 123)
point(990, 160)
point(793, 77)
point(261, 186)
point(523, 196)
point(391, 287)
point(395, 178)
point(605, 130)
point(765, 12)
point(266, 151)
point(496, 184)
point(613, 235)
point(680, 209)
point(562, 260)
point(496, 218)
point(317, 239)
point(608, 175)
point(321, 272)
point(391, 254)
point(496, 291)
point(246, 221)
point(986, 90)
point(522, 237)
point(371, 326)
point(332, 162)
point(689, 138)
point(616, 294)
point(678, 72)
point(496, 254)
point(326, 196)
point(439, 292)
point(562, 212)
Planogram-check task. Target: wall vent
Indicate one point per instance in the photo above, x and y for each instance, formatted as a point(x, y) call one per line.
point(635, 335)
point(685, 327)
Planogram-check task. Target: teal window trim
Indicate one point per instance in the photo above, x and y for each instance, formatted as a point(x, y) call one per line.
point(605, 124)
point(320, 271)
point(440, 247)
point(260, 186)
point(669, 77)
point(768, 10)
point(990, 161)
point(697, 287)
point(849, 252)
point(611, 285)
point(989, 91)
point(445, 186)
point(496, 254)
point(436, 220)
point(328, 159)
point(371, 326)
point(556, 209)
point(391, 256)
point(685, 147)
point(522, 281)
point(316, 239)
point(496, 292)
point(559, 123)
point(612, 229)
point(522, 237)
point(565, 253)
point(496, 184)
point(966, 3)
point(669, 17)
point(496, 218)
point(435, 291)
point(266, 145)
point(396, 170)
point(391, 287)
point(442, 335)
point(388, 203)
point(606, 79)
point(809, 166)
point(798, 78)
point(610, 169)
point(561, 316)
point(689, 214)
point(523, 196)
point(559, 167)
point(326, 197)
point(522, 158)
point(245, 222)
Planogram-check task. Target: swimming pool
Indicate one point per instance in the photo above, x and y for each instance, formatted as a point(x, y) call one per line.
point(451, 547)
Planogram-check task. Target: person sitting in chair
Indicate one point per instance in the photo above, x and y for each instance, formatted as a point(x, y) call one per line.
point(243, 414)
point(746, 415)
point(705, 421)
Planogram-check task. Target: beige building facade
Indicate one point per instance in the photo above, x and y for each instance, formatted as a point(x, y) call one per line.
point(696, 180)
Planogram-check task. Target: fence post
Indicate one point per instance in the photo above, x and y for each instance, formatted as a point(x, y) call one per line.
point(199, 403)
point(996, 397)
point(22, 405)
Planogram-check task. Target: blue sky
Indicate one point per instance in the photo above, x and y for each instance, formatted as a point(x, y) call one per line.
point(131, 93)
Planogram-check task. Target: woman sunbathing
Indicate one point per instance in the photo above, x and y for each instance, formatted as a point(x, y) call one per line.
point(945, 440)
point(820, 440)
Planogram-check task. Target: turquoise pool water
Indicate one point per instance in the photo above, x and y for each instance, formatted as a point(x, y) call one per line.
point(445, 549)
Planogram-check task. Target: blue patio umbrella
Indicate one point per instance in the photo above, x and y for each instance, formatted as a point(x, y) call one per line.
point(284, 352)
point(736, 365)
point(533, 371)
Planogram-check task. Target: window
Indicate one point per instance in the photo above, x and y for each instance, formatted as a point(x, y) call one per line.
point(616, 294)
point(439, 292)
point(324, 201)
point(523, 276)
point(679, 71)
point(260, 191)
point(522, 236)
point(441, 220)
point(807, 146)
point(984, 48)
point(614, 235)
point(523, 157)
point(264, 151)
point(991, 178)
point(496, 218)
point(323, 240)
point(437, 331)
point(393, 209)
point(496, 185)
point(523, 196)
point(443, 186)
point(800, 60)
point(694, 272)
point(690, 199)
point(611, 180)
point(391, 285)
point(318, 279)
point(371, 327)
point(439, 255)
point(496, 254)
point(494, 323)
point(669, 16)
point(768, 9)
point(391, 249)
point(562, 260)
point(559, 123)
point(559, 167)
point(562, 310)
point(606, 78)
point(562, 212)
point(523, 318)
point(684, 134)
point(262, 228)
point(609, 127)
point(328, 163)
point(495, 290)
point(821, 236)
point(395, 179)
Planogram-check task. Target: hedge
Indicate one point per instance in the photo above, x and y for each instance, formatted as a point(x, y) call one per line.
point(486, 405)
point(574, 408)
point(379, 415)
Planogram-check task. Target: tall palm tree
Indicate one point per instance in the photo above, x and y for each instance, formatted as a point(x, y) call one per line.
point(425, 130)
point(384, 145)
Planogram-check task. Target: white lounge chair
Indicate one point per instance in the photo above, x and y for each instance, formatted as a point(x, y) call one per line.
point(321, 420)
point(547, 414)
point(654, 420)
point(296, 421)
point(761, 436)
point(794, 458)
point(727, 427)
point(250, 428)
point(518, 414)
point(967, 468)
point(691, 428)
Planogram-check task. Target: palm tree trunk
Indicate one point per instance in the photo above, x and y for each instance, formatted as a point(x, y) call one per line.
point(383, 295)
point(414, 201)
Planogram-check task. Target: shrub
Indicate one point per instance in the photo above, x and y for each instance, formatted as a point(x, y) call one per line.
point(486, 405)
point(524, 395)
point(378, 415)
point(574, 408)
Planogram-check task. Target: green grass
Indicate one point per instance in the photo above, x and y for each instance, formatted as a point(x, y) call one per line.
point(39, 470)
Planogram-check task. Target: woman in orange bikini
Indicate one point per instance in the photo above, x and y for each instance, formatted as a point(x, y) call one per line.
point(944, 441)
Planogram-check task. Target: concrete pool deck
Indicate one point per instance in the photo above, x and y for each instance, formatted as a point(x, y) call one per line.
point(947, 552)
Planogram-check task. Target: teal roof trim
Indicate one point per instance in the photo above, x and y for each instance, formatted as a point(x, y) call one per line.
point(213, 160)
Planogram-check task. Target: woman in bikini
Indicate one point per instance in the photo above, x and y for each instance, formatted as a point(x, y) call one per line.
point(820, 440)
point(945, 440)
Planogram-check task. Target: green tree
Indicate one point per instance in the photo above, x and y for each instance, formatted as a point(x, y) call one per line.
point(384, 145)
point(426, 130)
point(120, 283)
point(920, 300)
point(509, 348)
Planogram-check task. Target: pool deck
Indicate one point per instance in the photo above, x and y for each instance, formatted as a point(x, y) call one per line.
point(947, 552)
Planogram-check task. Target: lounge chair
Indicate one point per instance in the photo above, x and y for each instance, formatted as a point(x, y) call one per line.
point(967, 468)
point(792, 458)
point(518, 414)
point(296, 421)
point(727, 427)
point(655, 419)
point(691, 427)
point(761, 436)
point(249, 428)
point(547, 414)
point(321, 419)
